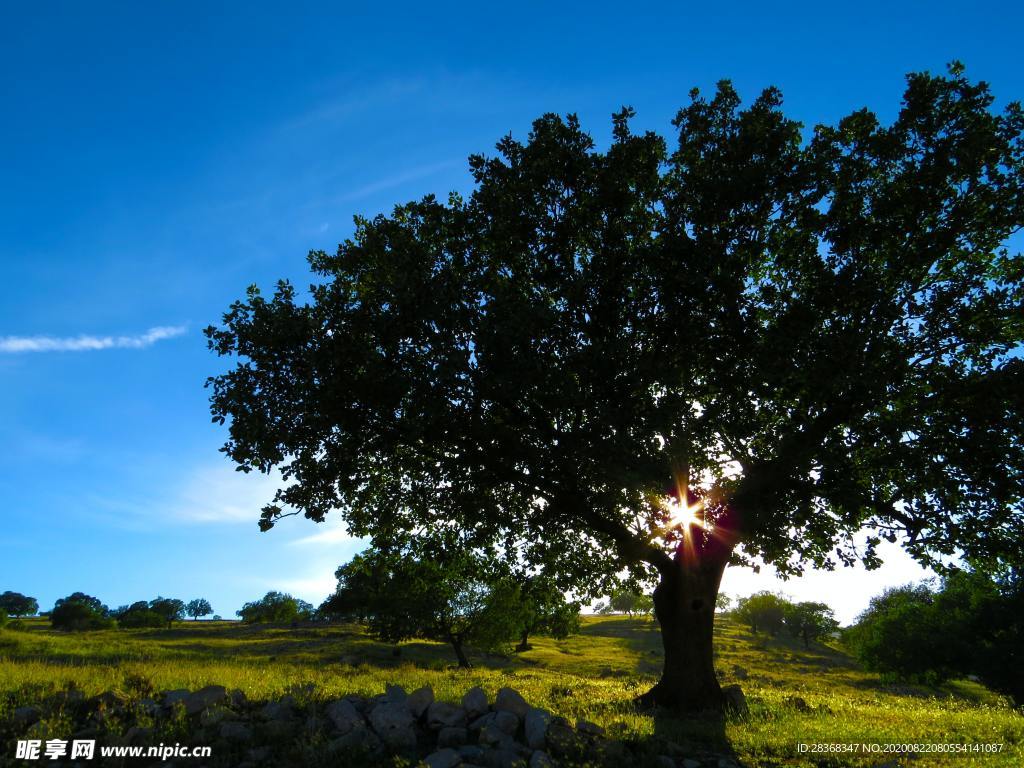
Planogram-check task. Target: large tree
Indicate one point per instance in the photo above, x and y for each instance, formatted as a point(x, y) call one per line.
point(754, 344)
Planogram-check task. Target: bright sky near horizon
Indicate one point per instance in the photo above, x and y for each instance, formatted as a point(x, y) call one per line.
point(155, 159)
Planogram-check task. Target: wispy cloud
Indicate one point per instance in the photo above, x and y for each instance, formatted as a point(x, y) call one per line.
point(330, 536)
point(84, 343)
point(218, 494)
point(397, 180)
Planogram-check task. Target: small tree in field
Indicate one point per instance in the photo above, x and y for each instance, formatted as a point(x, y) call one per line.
point(17, 604)
point(80, 612)
point(275, 608)
point(762, 611)
point(453, 596)
point(751, 342)
point(723, 602)
point(198, 607)
point(138, 615)
point(809, 621)
point(171, 609)
point(546, 611)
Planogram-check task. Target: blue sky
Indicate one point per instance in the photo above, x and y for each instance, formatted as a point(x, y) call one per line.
point(157, 160)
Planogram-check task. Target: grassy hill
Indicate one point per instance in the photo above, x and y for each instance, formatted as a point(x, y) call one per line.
point(796, 695)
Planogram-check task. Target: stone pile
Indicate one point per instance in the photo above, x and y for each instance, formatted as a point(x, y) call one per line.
point(358, 730)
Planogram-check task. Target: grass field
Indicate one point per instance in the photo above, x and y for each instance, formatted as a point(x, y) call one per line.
point(795, 695)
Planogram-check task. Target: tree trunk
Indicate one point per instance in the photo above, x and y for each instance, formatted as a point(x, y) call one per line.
point(523, 644)
point(460, 653)
point(684, 604)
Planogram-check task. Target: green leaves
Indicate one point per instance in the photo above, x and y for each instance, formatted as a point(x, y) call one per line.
point(822, 330)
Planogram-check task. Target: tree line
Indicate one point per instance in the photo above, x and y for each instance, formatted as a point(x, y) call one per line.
point(79, 611)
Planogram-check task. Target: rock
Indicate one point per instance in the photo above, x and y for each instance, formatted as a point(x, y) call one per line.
point(170, 698)
point(797, 703)
point(236, 732)
point(471, 753)
point(509, 699)
point(279, 730)
point(443, 715)
point(664, 761)
point(204, 698)
point(208, 717)
point(492, 736)
point(589, 728)
point(258, 755)
point(452, 737)
point(277, 710)
point(611, 752)
point(344, 716)
point(395, 693)
point(419, 700)
point(481, 721)
point(739, 672)
point(504, 758)
point(541, 759)
point(238, 699)
point(535, 726)
point(25, 716)
point(393, 723)
point(689, 762)
point(563, 742)
point(475, 702)
point(725, 762)
point(506, 721)
point(361, 738)
point(735, 702)
point(359, 702)
point(443, 758)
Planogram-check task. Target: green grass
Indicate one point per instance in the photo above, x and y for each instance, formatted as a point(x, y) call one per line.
point(592, 675)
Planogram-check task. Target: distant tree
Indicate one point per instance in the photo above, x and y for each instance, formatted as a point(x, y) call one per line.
point(198, 607)
point(722, 602)
point(138, 615)
point(80, 612)
point(899, 634)
point(973, 623)
point(17, 604)
point(762, 610)
point(93, 603)
point(546, 611)
point(171, 609)
point(809, 621)
point(216, 617)
point(275, 608)
point(450, 594)
point(751, 341)
point(3, 619)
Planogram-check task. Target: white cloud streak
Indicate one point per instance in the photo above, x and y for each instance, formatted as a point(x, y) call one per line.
point(84, 343)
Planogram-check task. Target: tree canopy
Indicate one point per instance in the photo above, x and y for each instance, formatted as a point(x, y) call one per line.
point(972, 623)
point(275, 608)
point(80, 612)
point(198, 607)
point(17, 604)
point(764, 611)
point(447, 593)
point(755, 343)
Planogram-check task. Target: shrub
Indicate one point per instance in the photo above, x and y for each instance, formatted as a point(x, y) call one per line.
point(78, 616)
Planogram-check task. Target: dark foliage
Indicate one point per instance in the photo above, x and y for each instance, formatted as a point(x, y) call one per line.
point(17, 604)
point(811, 334)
